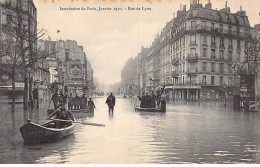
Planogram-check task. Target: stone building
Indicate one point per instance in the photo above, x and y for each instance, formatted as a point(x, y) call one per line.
point(205, 44)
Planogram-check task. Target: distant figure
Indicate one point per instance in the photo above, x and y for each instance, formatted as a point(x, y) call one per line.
point(163, 104)
point(153, 103)
point(142, 100)
point(148, 101)
point(35, 97)
point(83, 102)
point(111, 101)
point(70, 102)
point(91, 105)
point(76, 102)
point(158, 99)
point(55, 99)
point(62, 98)
point(63, 114)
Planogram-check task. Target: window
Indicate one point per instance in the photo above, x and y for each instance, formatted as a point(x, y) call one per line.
point(193, 39)
point(204, 66)
point(221, 52)
point(229, 68)
point(212, 80)
point(204, 82)
point(212, 26)
point(213, 53)
point(238, 45)
point(192, 52)
point(238, 57)
point(204, 39)
point(230, 43)
point(221, 42)
point(230, 80)
point(195, 13)
point(193, 25)
point(221, 27)
point(212, 67)
point(221, 68)
point(230, 57)
point(213, 40)
point(183, 67)
point(221, 81)
point(184, 41)
point(204, 52)
point(204, 24)
point(229, 29)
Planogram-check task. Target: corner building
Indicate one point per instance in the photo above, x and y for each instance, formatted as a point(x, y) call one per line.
point(205, 45)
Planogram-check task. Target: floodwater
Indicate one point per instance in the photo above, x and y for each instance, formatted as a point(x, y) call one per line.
point(187, 133)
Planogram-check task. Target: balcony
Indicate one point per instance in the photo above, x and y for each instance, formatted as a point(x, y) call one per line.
point(175, 74)
point(192, 56)
point(191, 72)
point(221, 46)
point(175, 61)
point(213, 45)
point(193, 43)
point(230, 47)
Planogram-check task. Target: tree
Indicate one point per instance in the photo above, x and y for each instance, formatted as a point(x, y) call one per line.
point(253, 56)
point(19, 47)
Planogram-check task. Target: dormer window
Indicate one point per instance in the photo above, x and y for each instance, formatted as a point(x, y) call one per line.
point(195, 13)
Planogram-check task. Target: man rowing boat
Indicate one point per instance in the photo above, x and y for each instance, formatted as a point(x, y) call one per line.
point(62, 113)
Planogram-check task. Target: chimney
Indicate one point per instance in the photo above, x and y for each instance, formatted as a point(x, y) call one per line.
point(226, 9)
point(184, 8)
point(208, 5)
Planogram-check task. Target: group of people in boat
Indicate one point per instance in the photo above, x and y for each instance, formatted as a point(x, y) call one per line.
point(63, 113)
point(151, 101)
point(74, 101)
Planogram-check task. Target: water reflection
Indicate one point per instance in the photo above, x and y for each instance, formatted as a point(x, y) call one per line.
point(189, 132)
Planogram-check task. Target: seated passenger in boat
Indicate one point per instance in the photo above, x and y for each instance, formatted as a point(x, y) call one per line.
point(62, 113)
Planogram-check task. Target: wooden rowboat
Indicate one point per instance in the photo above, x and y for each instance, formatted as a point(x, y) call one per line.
point(137, 108)
point(33, 133)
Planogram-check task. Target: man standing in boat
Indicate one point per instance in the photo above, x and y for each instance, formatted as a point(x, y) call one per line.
point(153, 103)
point(111, 101)
point(62, 113)
point(143, 101)
point(55, 99)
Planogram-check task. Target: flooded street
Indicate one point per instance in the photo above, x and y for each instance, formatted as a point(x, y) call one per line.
point(188, 132)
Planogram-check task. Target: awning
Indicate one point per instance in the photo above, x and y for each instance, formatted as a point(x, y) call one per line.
point(168, 87)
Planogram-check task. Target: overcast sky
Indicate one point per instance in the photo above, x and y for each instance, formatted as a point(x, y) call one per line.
point(111, 37)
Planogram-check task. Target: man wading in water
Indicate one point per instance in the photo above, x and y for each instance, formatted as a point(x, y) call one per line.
point(111, 101)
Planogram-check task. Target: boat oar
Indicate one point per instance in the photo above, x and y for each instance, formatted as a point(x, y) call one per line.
point(84, 123)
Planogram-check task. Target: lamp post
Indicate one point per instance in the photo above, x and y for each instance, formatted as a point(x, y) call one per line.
point(225, 100)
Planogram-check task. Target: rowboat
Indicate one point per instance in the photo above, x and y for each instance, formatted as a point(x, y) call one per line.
point(87, 110)
point(33, 133)
point(137, 108)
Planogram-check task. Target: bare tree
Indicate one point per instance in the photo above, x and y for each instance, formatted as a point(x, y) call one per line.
point(253, 56)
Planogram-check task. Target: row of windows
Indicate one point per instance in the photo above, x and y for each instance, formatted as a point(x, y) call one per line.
point(232, 81)
point(194, 68)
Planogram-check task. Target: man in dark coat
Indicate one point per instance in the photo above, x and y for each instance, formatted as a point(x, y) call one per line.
point(143, 101)
point(148, 101)
point(64, 114)
point(55, 99)
point(111, 101)
point(76, 102)
point(70, 102)
point(153, 103)
point(91, 105)
point(83, 102)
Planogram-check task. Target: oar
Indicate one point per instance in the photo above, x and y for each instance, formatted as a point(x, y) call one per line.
point(84, 123)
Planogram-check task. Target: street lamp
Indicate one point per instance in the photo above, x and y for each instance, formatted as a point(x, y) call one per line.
point(225, 89)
